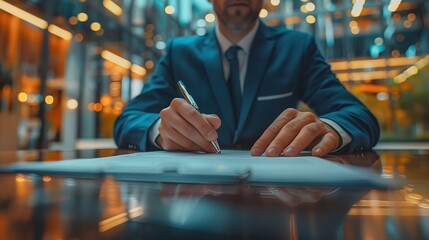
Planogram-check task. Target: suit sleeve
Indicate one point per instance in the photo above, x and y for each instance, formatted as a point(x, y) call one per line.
point(329, 99)
point(131, 129)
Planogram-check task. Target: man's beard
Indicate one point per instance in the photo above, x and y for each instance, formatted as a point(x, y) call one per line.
point(239, 20)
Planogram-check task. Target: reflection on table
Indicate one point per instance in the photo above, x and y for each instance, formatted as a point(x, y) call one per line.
point(44, 207)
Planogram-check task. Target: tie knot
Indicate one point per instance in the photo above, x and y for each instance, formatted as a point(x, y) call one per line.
point(231, 53)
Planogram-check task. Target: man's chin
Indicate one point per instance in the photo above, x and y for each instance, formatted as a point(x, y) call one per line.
point(240, 22)
point(238, 25)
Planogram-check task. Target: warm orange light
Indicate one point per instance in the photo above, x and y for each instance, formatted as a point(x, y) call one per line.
point(72, 104)
point(28, 17)
point(46, 179)
point(118, 106)
point(83, 17)
point(73, 20)
point(112, 222)
point(79, 37)
point(353, 24)
point(136, 212)
point(275, 2)
point(407, 24)
point(367, 76)
point(91, 106)
point(355, 30)
point(95, 26)
point(372, 63)
point(36, 21)
point(169, 9)
point(357, 8)
point(112, 7)
point(292, 20)
point(149, 64)
point(138, 69)
point(210, 17)
point(66, 35)
point(120, 61)
point(20, 177)
point(97, 107)
point(310, 19)
point(49, 99)
point(22, 97)
point(393, 5)
point(309, 7)
point(395, 53)
point(263, 13)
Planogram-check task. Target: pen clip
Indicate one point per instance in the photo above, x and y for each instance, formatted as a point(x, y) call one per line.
point(186, 95)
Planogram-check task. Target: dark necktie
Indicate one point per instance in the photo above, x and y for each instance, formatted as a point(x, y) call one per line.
point(234, 80)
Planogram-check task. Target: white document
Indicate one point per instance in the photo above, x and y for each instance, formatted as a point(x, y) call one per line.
point(229, 167)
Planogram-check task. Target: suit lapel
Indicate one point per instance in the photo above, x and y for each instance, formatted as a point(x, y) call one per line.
point(213, 64)
point(260, 53)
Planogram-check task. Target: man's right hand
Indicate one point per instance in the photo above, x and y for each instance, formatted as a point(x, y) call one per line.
point(183, 128)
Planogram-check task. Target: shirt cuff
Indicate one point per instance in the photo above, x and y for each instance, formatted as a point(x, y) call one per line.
point(345, 137)
point(154, 133)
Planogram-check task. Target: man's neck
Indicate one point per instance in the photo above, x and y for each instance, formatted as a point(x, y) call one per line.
point(235, 35)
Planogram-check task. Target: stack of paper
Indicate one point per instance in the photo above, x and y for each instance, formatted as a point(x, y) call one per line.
point(229, 167)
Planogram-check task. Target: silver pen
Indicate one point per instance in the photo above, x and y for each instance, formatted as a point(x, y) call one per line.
point(191, 101)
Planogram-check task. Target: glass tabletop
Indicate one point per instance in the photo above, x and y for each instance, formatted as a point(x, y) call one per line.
point(46, 207)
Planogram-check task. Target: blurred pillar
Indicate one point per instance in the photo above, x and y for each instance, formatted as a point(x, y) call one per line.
point(100, 84)
point(386, 22)
point(48, 6)
point(78, 122)
point(347, 38)
point(129, 49)
point(425, 34)
point(71, 88)
point(185, 16)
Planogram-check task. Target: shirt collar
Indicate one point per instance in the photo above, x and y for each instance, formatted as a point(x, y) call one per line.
point(244, 43)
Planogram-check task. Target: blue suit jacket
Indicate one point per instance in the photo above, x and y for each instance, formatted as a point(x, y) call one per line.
point(284, 67)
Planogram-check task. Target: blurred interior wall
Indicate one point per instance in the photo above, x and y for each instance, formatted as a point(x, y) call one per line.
point(8, 129)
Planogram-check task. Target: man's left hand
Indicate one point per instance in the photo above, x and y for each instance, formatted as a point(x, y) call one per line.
point(292, 132)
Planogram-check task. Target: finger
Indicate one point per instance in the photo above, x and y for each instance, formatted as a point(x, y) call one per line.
point(183, 131)
point(305, 137)
point(272, 131)
point(173, 140)
point(194, 118)
point(213, 119)
point(290, 133)
point(169, 145)
point(328, 143)
point(190, 133)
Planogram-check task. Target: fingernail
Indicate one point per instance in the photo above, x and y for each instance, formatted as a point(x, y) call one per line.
point(254, 151)
point(211, 135)
point(318, 151)
point(289, 150)
point(271, 150)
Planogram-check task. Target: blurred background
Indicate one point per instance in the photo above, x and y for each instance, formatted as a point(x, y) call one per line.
point(68, 67)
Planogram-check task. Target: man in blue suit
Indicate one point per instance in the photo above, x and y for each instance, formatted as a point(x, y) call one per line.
point(247, 79)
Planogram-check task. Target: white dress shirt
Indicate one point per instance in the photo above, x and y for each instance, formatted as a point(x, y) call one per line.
point(243, 54)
